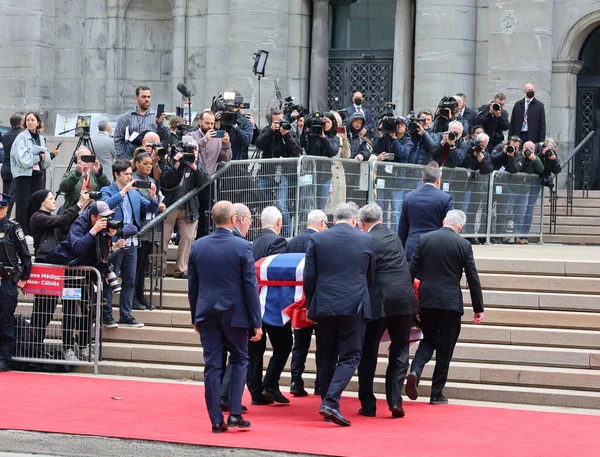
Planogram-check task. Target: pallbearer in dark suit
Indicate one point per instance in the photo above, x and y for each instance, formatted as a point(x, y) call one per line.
point(393, 305)
point(317, 222)
point(243, 220)
point(438, 262)
point(424, 209)
point(528, 119)
point(224, 303)
point(338, 271)
point(266, 391)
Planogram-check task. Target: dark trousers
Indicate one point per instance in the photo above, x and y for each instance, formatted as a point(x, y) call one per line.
point(440, 332)
point(340, 341)
point(281, 340)
point(43, 310)
point(143, 261)
point(8, 304)
point(217, 336)
point(302, 339)
point(398, 328)
point(204, 200)
point(24, 187)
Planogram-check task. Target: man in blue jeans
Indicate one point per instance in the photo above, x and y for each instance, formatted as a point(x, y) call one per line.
point(128, 207)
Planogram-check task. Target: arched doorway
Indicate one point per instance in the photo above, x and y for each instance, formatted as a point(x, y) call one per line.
point(587, 168)
point(148, 44)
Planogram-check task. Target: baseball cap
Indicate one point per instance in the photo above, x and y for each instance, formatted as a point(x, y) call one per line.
point(101, 208)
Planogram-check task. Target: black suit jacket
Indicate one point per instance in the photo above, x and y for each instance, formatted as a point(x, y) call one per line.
point(423, 211)
point(536, 120)
point(439, 261)
point(268, 243)
point(392, 294)
point(300, 242)
point(339, 268)
point(469, 115)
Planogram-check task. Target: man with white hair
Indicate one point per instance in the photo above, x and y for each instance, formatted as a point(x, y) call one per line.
point(451, 150)
point(317, 222)
point(243, 220)
point(338, 271)
point(266, 391)
point(438, 262)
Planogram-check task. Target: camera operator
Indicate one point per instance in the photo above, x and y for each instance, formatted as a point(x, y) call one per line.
point(448, 110)
point(494, 119)
point(48, 231)
point(476, 160)
point(88, 176)
point(128, 207)
point(212, 151)
point(449, 148)
point(394, 146)
point(182, 174)
point(419, 131)
point(235, 124)
point(507, 156)
point(547, 154)
point(277, 140)
point(176, 126)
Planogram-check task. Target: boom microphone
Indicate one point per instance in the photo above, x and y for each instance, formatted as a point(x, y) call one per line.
point(185, 90)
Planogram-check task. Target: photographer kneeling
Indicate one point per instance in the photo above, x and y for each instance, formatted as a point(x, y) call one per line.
point(181, 174)
point(48, 231)
point(394, 146)
point(277, 140)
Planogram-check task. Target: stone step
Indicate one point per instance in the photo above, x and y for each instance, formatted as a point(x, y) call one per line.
point(569, 220)
point(518, 394)
point(578, 202)
point(477, 343)
point(539, 283)
point(579, 240)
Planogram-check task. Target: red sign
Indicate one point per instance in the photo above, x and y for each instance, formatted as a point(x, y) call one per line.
point(45, 281)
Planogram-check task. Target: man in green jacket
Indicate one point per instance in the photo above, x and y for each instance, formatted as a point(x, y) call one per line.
point(87, 175)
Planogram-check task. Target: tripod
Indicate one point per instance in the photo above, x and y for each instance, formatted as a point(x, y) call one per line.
point(84, 141)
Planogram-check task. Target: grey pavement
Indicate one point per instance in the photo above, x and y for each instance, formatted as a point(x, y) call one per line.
point(26, 444)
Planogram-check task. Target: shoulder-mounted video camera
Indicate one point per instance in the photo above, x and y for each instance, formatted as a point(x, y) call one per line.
point(447, 106)
point(413, 123)
point(289, 107)
point(187, 150)
point(315, 123)
point(389, 120)
point(161, 152)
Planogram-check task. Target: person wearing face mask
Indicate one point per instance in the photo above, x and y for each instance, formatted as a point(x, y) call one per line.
point(356, 107)
point(104, 146)
point(528, 120)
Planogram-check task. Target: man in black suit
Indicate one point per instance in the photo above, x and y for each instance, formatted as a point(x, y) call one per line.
point(266, 391)
point(528, 120)
point(338, 271)
point(393, 305)
point(356, 107)
point(438, 262)
point(243, 220)
point(465, 112)
point(317, 222)
point(424, 209)
point(224, 303)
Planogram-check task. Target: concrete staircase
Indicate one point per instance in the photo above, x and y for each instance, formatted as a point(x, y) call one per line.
point(583, 227)
point(539, 343)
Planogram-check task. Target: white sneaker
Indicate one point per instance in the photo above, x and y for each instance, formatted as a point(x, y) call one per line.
point(84, 353)
point(70, 356)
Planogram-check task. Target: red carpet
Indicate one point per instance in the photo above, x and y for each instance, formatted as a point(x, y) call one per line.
point(161, 411)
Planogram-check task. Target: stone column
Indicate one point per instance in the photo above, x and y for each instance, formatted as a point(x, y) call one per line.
point(402, 73)
point(444, 50)
point(564, 103)
point(179, 33)
point(520, 50)
point(319, 55)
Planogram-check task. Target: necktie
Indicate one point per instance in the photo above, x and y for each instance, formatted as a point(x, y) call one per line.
point(524, 127)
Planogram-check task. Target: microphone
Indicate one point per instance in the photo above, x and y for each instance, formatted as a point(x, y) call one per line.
point(185, 90)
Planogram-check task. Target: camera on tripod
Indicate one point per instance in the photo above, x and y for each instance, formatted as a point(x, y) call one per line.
point(315, 124)
point(447, 106)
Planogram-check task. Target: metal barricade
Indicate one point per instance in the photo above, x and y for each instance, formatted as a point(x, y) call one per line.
point(258, 184)
point(469, 191)
point(58, 317)
point(513, 199)
point(391, 182)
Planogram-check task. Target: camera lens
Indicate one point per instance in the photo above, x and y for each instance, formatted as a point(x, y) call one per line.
point(496, 107)
point(510, 149)
point(113, 282)
point(451, 136)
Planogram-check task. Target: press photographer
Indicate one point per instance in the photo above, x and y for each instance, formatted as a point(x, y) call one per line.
point(419, 130)
point(449, 148)
point(448, 110)
point(277, 140)
point(87, 176)
point(228, 105)
point(494, 119)
point(181, 174)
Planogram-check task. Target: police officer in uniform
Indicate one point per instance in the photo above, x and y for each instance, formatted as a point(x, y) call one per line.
point(15, 267)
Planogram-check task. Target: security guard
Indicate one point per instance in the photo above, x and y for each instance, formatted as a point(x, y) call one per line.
point(15, 267)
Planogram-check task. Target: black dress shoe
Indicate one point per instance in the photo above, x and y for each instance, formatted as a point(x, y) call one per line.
point(474, 241)
point(219, 428)
point(181, 276)
point(335, 416)
point(366, 413)
point(441, 400)
point(297, 390)
point(397, 411)
point(262, 401)
point(412, 386)
point(237, 421)
point(274, 395)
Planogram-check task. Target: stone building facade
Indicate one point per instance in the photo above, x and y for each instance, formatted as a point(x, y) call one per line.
point(62, 56)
